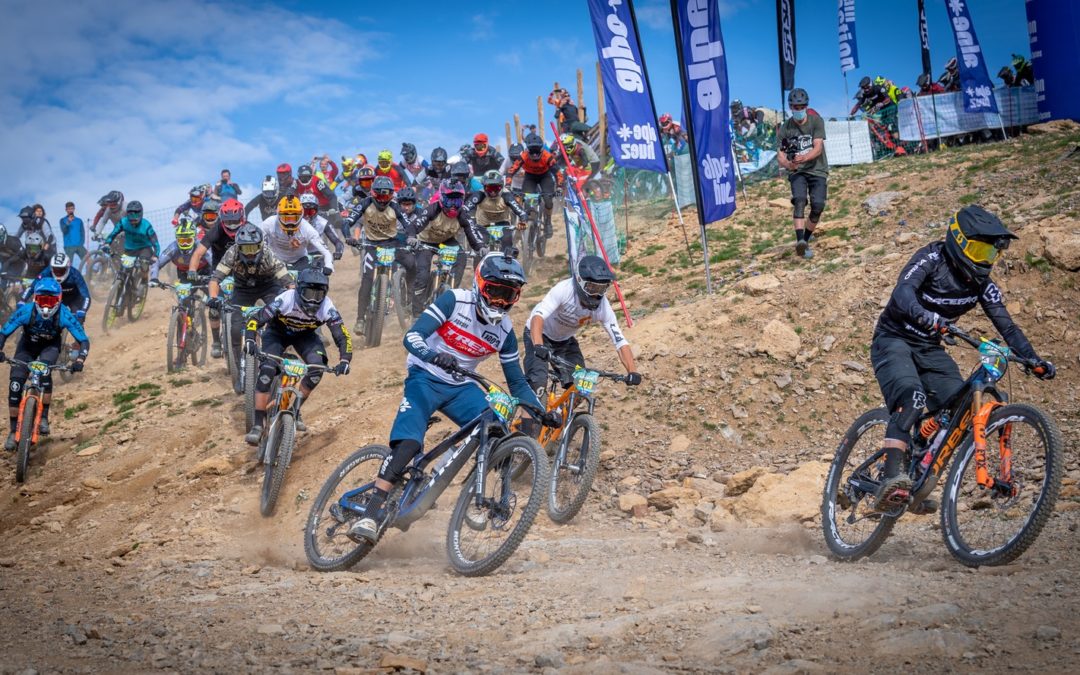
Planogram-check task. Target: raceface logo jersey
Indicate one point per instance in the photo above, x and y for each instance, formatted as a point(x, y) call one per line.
point(286, 316)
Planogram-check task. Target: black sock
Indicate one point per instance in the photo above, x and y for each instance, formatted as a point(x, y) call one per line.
point(14, 423)
point(800, 235)
point(260, 417)
point(892, 461)
point(376, 499)
point(215, 332)
point(45, 411)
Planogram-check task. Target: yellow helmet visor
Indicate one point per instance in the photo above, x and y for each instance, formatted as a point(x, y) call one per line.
point(979, 252)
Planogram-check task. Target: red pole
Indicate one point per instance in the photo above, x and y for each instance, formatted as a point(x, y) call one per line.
point(592, 224)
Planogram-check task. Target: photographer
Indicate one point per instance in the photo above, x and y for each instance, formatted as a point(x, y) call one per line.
point(802, 153)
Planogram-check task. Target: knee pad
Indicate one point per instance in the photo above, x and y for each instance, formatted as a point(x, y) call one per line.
point(215, 314)
point(15, 392)
point(800, 206)
point(816, 211)
point(401, 453)
point(904, 418)
point(266, 376)
point(311, 380)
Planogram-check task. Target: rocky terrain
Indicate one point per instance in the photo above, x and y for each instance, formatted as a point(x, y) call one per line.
point(136, 543)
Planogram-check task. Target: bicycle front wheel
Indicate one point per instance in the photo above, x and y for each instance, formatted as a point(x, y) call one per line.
point(280, 441)
point(26, 439)
point(852, 528)
point(376, 317)
point(198, 338)
point(137, 300)
point(574, 470)
point(402, 298)
point(995, 526)
point(481, 538)
point(112, 306)
point(173, 348)
point(251, 371)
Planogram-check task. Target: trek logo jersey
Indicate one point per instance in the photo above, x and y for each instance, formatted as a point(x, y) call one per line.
point(462, 335)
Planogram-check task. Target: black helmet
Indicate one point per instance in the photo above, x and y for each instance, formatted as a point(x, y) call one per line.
point(798, 96)
point(438, 155)
point(497, 286)
point(113, 197)
point(408, 152)
point(1005, 73)
point(249, 244)
point(864, 83)
point(974, 241)
point(533, 143)
point(382, 191)
point(311, 287)
point(406, 194)
point(592, 280)
point(516, 149)
point(460, 170)
point(134, 208)
point(923, 81)
point(26, 213)
point(304, 173)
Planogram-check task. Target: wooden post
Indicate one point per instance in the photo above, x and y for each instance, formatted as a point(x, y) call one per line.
point(517, 127)
point(540, 117)
point(603, 117)
point(580, 97)
point(508, 141)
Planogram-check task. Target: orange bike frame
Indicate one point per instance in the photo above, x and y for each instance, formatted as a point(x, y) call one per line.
point(37, 418)
point(546, 434)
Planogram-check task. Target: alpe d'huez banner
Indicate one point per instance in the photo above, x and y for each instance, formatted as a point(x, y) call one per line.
point(631, 119)
point(975, 81)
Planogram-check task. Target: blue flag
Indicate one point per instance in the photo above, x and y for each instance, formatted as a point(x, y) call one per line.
point(703, 71)
point(631, 119)
point(849, 48)
point(975, 83)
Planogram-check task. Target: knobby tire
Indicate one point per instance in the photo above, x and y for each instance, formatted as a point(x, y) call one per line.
point(26, 439)
point(112, 306)
point(251, 370)
point(586, 456)
point(280, 442)
point(376, 317)
point(172, 349)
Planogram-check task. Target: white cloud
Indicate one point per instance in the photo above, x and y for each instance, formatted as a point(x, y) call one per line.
point(150, 97)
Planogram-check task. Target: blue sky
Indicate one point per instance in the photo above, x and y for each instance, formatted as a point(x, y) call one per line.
point(151, 97)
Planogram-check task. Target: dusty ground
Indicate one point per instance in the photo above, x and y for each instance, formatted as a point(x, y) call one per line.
point(146, 551)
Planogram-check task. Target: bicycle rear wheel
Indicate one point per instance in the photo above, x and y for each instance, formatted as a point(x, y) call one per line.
point(996, 526)
point(573, 472)
point(280, 441)
point(328, 546)
point(852, 529)
point(26, 439)
point(480, 539)
point(96, 269)
point(198, 338)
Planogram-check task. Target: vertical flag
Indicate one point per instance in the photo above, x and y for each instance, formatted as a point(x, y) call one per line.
point(785, 37)
point(924, 41)
point(849, 48)
point(975, 83)
point(631, 118)
point(703, 71)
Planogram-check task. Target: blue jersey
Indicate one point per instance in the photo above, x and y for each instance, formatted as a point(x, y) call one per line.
point(38, 329)
point(75, 291)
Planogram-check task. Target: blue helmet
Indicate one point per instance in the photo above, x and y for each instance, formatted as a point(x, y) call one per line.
point(47, 296)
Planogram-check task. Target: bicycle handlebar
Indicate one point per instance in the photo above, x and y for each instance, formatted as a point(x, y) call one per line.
point(618, 377)
point(536, 411)
point(953, 331)
point(264, 356)
point(52, 366)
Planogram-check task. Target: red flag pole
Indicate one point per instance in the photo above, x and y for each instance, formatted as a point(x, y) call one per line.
point(592, 224)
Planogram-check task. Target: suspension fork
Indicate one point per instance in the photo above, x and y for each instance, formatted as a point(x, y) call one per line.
point(979, 421)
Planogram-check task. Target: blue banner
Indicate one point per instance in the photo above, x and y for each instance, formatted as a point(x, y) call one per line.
point(633, 137)
point(1053, 27)
point(849, 48)
point(705, 91)
point(975, 81)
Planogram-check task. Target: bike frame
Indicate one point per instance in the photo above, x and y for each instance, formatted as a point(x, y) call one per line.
point(33, 389)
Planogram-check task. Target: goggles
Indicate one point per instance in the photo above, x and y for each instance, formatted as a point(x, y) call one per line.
point(798, 107)
point(500, 295)
point(249, 250)
point(493, 190)
point(210, 216)
point(480, 147)
point(384, 164)
point(311, 211)
point(979, 252)
point(134, 216)
point(313, 293)
point(60, 273)
point(452, 202)
point(46, 301)
point(184, 243)
point(287, 219)
point(366, 183)
point(595, 288)
point(383, 196)
point(196, 200)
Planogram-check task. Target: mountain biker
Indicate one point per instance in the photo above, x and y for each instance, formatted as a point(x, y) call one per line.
point(216, 241)
point(928, 87)
point(76, 294)
point(140, 240)
point(482, 157)
point(447, 336)
point(364, 178)
point(285, 181)
point(111, 209)
point(379, 219)
point(179, 253)
point(493, 206)
point(569, 305)
point(672, 134)
point(943, 281)
point(513, 153)
point(292, 239)
point(43, 323)
point(412, 164)
point(34, 256)
point(209, 215)
point(871, 96)
point(266, 201)
point(406, 199)
point(437, 171)
point(293, 319)
point(582, 156)
point(310, 205)
point(439, 224)
point(950, 79)
point(12, 262)
point(804, 135)
point(306, 182)
point(385, 166)
point(462, 172)
point(192, 208)
point(538, 165)
point(257, 275)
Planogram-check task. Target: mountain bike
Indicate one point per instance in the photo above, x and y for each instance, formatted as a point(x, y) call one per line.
point(128, 292)
point(994, 504)
point(26, 428)
point(498, 502)
point(401, 292)
point(99, 269)
point(498, 239)
point(241, 369)
point(279, 432)
point(442, 276)
point(188, 328)
point(381, 295)
point(531, 241)
point(577, 457)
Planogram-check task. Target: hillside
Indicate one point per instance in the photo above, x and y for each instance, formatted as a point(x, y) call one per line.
point(136, 543)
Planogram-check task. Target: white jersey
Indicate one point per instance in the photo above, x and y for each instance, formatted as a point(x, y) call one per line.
point(462, 335)
point(291, 248)
point(286, 310)
point(319, 223)
point(563, 315)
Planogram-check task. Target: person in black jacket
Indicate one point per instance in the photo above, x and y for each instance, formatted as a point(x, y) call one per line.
point(942, 282)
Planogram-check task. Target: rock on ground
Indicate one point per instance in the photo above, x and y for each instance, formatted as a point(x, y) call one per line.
point(779, 340)
point(777, 498)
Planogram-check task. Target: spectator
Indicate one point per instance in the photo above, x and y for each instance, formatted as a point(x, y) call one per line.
point(928, 87)
point(1025, 75)
point(74, 234)
point(327, 170)
point(566, 113)
point(672, 135)
point(802, 153)
point(225, 188)
point(950, 79)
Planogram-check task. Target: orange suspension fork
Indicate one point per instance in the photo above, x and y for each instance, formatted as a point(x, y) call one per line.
point(37, 419)
point(982, 416)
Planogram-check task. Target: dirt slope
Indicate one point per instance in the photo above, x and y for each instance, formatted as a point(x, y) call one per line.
point(139, 546)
